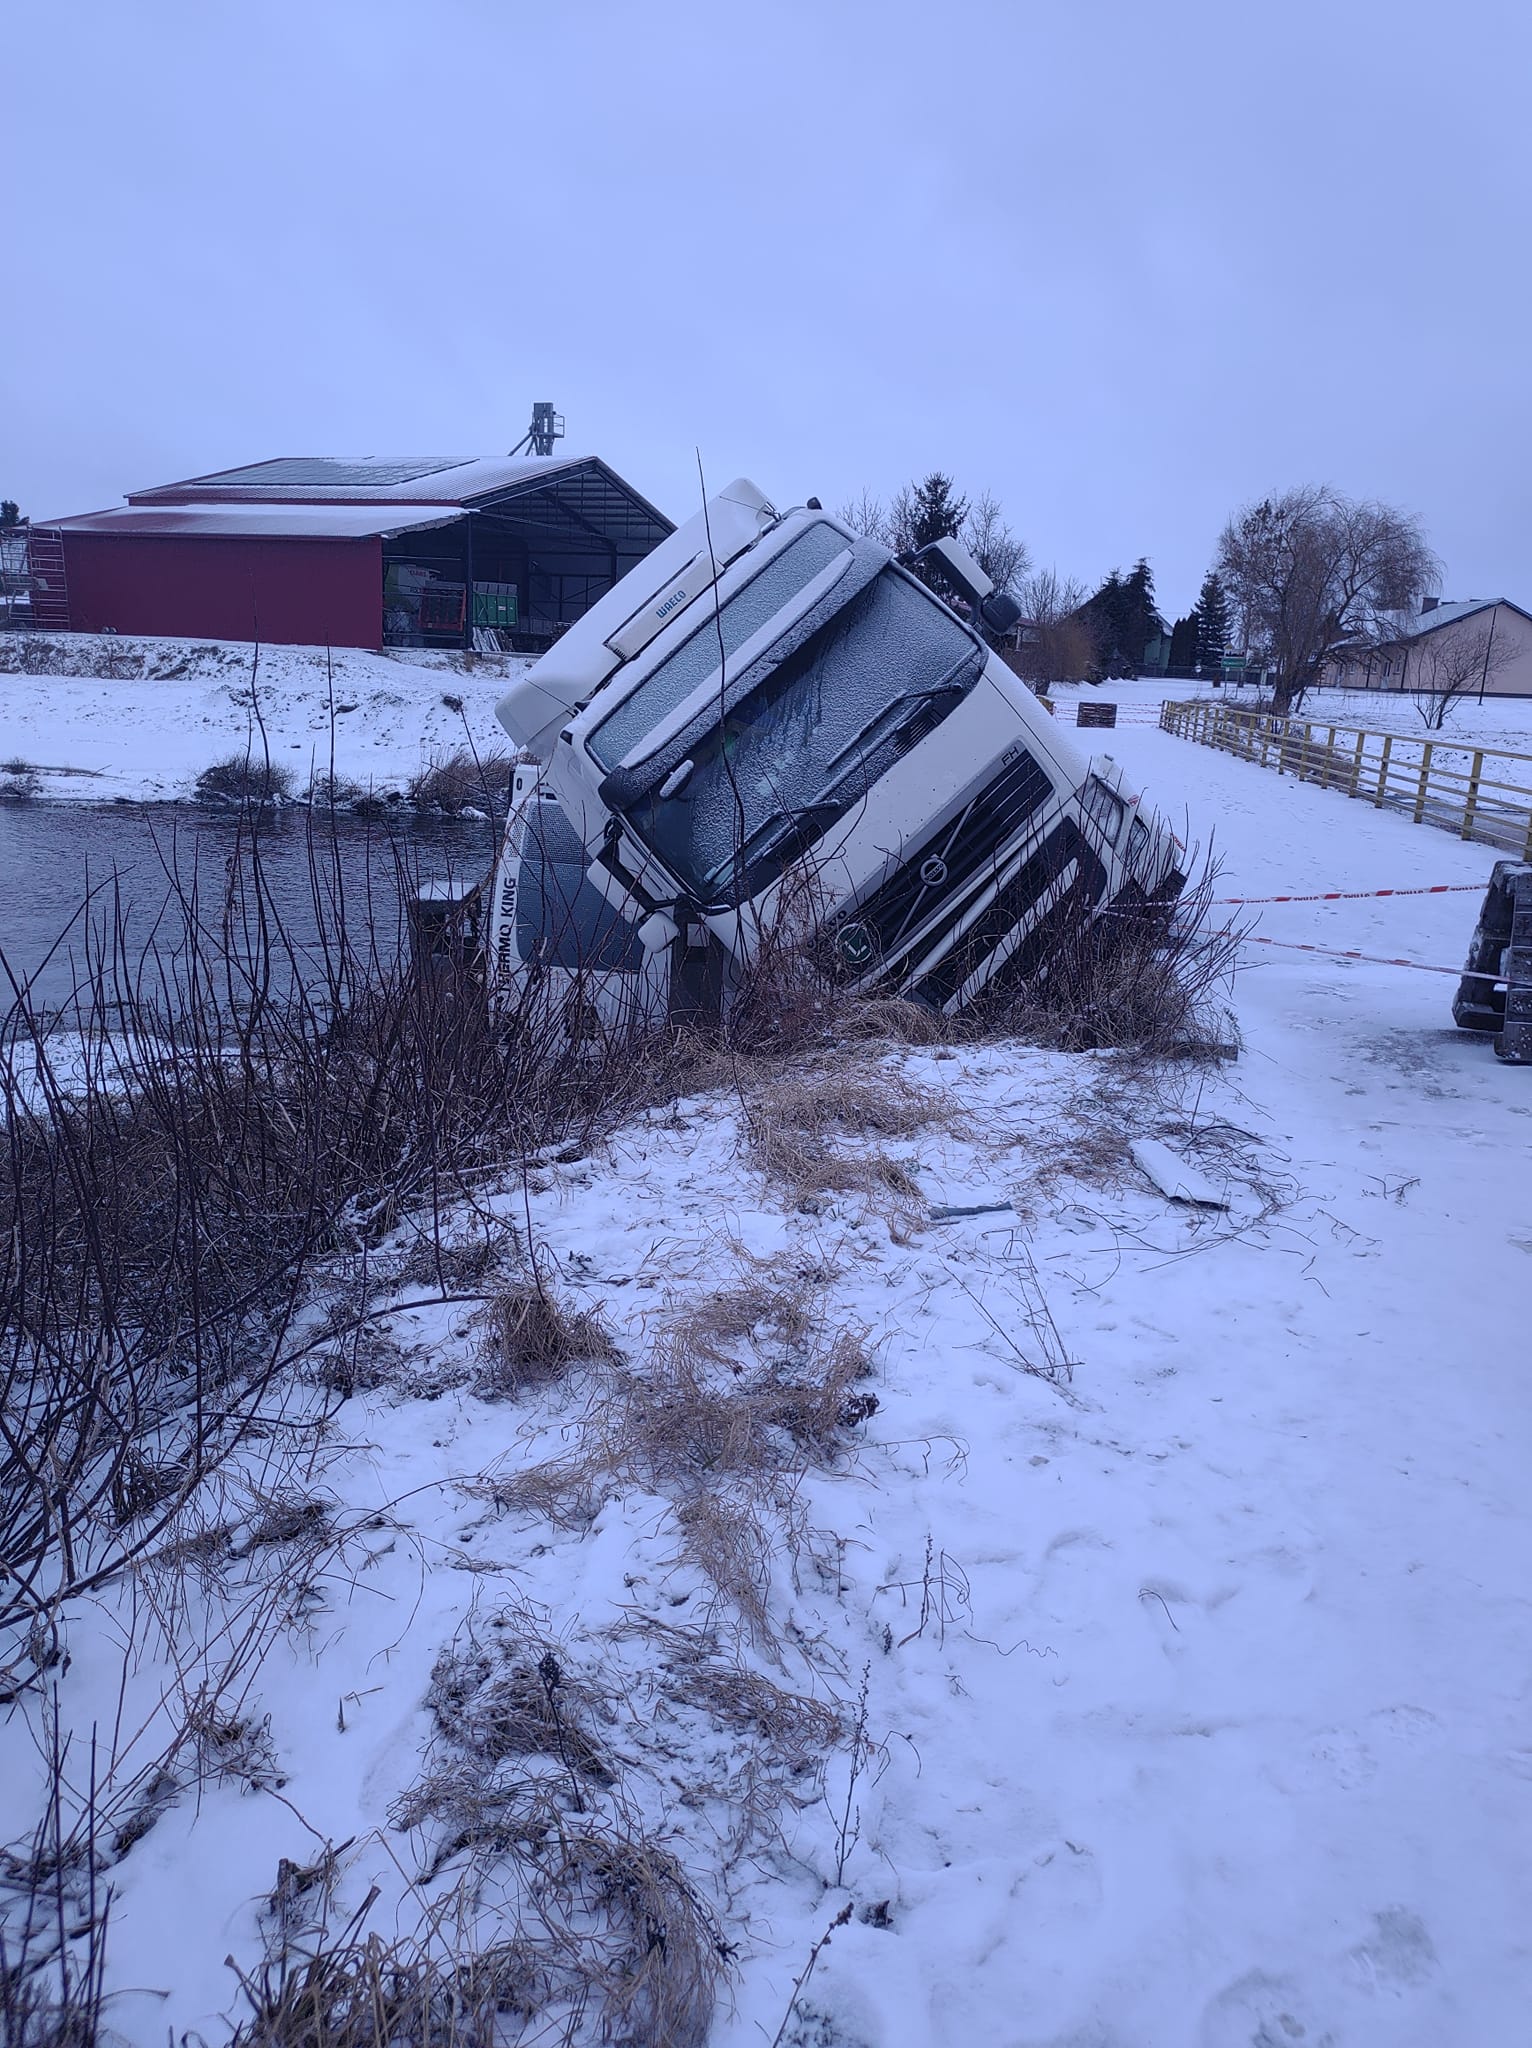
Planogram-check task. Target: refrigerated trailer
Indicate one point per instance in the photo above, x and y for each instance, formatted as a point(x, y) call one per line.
point(769, 694)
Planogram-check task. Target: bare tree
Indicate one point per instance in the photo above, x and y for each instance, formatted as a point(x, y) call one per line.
point(1001, 554)
point(921, 510)
point(1313, 571)
point(1450, 664)
point(1057, 643)
point(868, 516)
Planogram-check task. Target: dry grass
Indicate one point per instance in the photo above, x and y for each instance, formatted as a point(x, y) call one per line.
point(464, 781)
point(797, 1731)
point(782, 998)
point(510, 1696)
point(663, 1954)
point(374, 1994)
point(337, 792)
point(895, 1019)
point(568, 1492)
point(697, 1412)
point(755, 1307)
point(531, 1337)
point(1143, 978)
point(797, 1125)
point(743, 1390)
point(734, 1543)
point(612, 1924)
point(606, 1922)
point(244, 780)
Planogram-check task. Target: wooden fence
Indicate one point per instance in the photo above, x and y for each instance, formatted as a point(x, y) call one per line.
point(1482, 793)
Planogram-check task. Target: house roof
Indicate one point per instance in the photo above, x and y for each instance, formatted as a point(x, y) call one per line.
point(258, 521)
point(1462, 608)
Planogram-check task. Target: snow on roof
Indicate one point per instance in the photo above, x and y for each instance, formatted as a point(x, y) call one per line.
point(1442, 615)
point(254, 521)
point(1449, 609)
point(362, 479)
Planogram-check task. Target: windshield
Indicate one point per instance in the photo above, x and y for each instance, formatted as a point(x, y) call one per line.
point(808, 741)
point(696, 659)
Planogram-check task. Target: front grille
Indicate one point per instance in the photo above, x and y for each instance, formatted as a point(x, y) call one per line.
point(939, 870)
point(1065, 846)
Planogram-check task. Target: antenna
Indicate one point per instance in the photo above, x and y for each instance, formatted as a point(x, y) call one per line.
point(546, 428)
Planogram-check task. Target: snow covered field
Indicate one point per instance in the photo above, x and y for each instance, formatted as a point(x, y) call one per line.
point(1497, 722)
point(149, 736)
point(1195, 1661)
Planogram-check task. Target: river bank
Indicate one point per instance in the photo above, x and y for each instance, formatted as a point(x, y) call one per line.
point(88, 718)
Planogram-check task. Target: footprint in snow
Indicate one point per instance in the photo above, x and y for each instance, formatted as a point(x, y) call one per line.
point(1397, 1955)
point(1063, 1876)
point(1340, 1757)
point(1407, 1727)
point(1260, 2011)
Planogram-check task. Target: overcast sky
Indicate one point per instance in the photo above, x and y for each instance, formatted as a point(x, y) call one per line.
point(1127, 265)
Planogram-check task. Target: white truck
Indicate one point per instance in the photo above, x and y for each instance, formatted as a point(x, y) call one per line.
point(769, 693)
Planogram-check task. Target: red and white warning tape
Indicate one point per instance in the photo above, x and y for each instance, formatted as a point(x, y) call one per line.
point(1362, 895)
point(1374, 959)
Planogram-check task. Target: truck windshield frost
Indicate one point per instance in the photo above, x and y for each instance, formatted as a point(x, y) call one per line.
point(696, 661)
point(807, 742)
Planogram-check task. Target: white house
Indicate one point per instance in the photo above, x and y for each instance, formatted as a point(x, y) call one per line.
point(1479, 647)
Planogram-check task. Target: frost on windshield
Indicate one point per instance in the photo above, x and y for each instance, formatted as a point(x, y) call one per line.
point(698, 658)
point(796, 753)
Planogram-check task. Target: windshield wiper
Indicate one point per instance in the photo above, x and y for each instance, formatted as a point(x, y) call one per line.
point(802, 823)
point(874, 728)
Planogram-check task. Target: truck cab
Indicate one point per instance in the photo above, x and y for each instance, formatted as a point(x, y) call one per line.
point(768, 690)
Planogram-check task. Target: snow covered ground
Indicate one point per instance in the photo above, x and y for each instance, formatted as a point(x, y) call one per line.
point(1196, 1674)
point(174, 707)
point(1498, 722)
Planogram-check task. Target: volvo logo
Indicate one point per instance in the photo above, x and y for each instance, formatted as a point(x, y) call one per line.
point(855, 945)
point(933, 871)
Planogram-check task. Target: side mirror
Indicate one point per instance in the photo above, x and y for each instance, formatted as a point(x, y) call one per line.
point(999, 611)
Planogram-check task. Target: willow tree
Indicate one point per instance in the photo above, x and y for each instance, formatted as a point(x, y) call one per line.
point(1312, 572)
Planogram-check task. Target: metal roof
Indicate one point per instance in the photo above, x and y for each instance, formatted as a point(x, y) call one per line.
point(362, 472)
point(254, 522)
point(364, 479)
point(577, 502)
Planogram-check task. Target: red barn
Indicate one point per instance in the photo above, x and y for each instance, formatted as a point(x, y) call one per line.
point(350, 552)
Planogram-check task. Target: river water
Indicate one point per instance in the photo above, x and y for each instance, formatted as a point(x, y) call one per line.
point(66, 868)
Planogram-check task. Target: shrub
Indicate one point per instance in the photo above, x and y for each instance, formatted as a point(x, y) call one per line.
point(166, 1207)
point(337, 792)
point(244, 781)
point(464, 781)
point(1143, 977)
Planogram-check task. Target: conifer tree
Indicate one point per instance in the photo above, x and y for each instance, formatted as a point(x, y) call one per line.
point(1211, 613)
point(1142, 622)
point(938, 512)
point(1124, 619)
point(926, 510)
